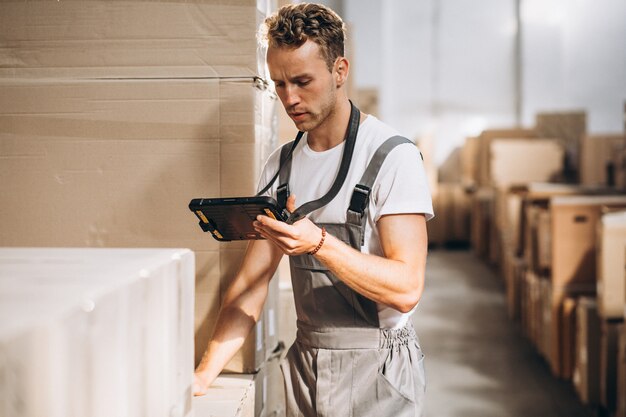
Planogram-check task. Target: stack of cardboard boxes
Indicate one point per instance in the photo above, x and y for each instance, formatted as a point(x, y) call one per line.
point(549, 214)
point(114, 115)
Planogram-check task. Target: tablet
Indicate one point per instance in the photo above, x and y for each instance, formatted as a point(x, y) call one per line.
point(231, 218)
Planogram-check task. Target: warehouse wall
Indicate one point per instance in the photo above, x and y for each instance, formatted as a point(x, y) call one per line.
point(446, 69)
point(574, 57)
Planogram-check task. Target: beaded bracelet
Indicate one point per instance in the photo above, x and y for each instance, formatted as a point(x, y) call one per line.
point(319, 245)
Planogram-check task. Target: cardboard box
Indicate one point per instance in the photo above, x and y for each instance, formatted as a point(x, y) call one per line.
point(621, 375)
point(545, 339)
point(129, 39)
point(98, 332)
point(515, 268)
point(568, 326)
point(544, 240)
point(535, 198)
point(611, 331)
point(611, 279)
point(481, 221)
point(486, 137)
point(452, 223)
point(596, 158)
point(114, 163)
point(508, 201)
point(530, 315)
point(574, 220)
point(586, 375)
point(568, 127)
point(517, 161)
point(619, 163)
point(470, 153)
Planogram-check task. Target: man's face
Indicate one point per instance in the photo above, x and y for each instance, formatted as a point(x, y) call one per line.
point(304, 84)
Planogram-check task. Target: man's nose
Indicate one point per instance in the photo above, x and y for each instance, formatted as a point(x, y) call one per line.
point(292, 97)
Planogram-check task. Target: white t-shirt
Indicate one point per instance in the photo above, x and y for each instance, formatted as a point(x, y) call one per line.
point(401, 187)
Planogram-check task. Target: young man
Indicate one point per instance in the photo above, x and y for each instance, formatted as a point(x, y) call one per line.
point(358, 255)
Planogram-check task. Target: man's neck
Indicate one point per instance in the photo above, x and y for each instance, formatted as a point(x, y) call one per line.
point(333, 131)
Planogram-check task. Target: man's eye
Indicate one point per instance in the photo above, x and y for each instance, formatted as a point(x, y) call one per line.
point(303, 83)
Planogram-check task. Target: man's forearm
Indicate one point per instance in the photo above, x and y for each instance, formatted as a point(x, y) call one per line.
point(396, 279)
point(233, 326)
point(241, 308)
point(383, 280)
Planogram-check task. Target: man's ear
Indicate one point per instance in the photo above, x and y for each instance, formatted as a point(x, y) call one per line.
point(341, 71)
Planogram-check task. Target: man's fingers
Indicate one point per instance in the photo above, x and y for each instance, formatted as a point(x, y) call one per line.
point(291, 203)
point(274, 225)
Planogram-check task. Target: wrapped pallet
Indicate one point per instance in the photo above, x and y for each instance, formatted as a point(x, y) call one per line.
point(96, 332)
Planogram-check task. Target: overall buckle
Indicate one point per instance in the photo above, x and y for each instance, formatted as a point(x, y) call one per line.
point(360, 198)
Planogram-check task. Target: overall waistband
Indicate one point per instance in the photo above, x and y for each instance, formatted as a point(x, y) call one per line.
point(353, 337)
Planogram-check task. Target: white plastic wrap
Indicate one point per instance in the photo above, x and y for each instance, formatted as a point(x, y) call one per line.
point(96, 332)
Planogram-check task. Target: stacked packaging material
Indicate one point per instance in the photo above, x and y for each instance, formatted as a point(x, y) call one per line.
point(117, 114)
point(96, 332)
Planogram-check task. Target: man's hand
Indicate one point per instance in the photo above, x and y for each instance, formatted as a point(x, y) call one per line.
point(296, 239)
point(200, 385)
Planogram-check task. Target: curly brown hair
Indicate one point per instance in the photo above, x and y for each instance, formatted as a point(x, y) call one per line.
point(293, 24)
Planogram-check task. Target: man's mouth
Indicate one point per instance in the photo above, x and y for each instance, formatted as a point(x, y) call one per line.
point(297, 115)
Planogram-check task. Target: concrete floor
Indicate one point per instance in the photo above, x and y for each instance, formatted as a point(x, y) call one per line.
point(477, 362)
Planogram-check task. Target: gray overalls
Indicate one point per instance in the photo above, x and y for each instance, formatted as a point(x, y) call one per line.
point(342, 364)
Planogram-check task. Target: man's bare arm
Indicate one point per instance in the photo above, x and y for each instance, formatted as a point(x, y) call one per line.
point(241, 308)
point(395, 279)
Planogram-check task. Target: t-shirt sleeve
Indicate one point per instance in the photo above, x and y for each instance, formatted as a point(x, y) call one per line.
point(401, 186)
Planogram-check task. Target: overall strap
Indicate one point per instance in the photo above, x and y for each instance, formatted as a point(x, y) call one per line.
point(285, 157)
point(282, 192)
point(361, 194)
point(346, 158)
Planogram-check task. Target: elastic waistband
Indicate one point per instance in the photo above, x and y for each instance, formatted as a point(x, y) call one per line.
point(353, 337)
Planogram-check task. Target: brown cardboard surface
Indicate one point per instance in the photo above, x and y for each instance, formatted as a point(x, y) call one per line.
point(546, 317)
point(611, 277)
point(486, 137)
point(544, 239)
point(608, 363)
point(586, 375)
point(508, 201)
point(114, 163)
point(515, 270)
point(568, 127)
point(596, 157)
point(470, 152)
point(481, 203)
point(574, 220)
point(452, 223)
point(531, 220)
point(517, 161)
point(621, 375)
point(130, 37)
point(568, 328)
point(539, 194)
